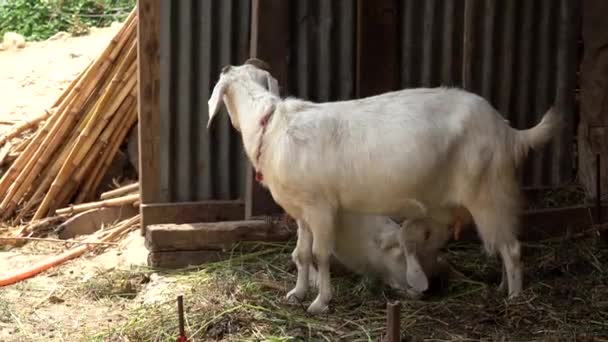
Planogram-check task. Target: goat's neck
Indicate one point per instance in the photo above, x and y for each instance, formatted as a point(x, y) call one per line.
point(252, 103)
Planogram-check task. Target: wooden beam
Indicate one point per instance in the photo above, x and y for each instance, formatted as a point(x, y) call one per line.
point(179, 259)
point(191, 212)
point(376, 19)
point(270, 43)
point(212, 235)
point(550, 223)
point(148, 73)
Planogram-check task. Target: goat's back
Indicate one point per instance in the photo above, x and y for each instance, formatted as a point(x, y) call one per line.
point(366, 153)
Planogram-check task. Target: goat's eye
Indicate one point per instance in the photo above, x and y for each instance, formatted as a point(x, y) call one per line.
point(226, 68)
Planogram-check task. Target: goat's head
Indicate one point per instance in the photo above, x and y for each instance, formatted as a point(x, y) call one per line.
point(252, 70)
point(421, 238)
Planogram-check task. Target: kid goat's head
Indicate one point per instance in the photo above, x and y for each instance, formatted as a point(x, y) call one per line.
point(253, 70)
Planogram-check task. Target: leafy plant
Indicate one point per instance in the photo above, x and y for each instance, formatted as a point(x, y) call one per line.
point(40, 19)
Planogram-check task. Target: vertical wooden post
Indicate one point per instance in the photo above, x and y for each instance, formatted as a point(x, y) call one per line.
point(593, 126)
point(470, 18)
point(376, 31)
point(148, 73)
point(270, 43)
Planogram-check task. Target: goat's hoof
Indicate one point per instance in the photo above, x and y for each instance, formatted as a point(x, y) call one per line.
point(514, 295)
point(295, 296)
point(317, 307)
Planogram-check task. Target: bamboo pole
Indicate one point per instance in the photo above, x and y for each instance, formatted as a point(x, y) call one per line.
point(113, 202)
point(43, 152)
point(93, 154)
point(8, 179)
point(82, 146)
point(47, 178)
point(110, 134)
point(22, 127)
point(120, 191)
point(100, 236)
point(77, 106)
point(82, 169)
point(4, 150)
point(23, 144)
point(75, 157)
point(109, 156)
point(25, 238)
point(50, 175)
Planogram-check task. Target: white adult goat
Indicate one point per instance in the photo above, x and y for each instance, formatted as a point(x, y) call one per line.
point(412, 153)
point(370, 245)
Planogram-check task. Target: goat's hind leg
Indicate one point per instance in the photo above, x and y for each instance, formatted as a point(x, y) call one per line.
point(497, 227)
point(302, 257)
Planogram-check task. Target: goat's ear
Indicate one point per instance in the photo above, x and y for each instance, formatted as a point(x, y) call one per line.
point(216, 99)
point(272, 84)
point(415, 275)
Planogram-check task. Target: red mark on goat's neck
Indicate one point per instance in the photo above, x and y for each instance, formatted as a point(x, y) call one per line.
point(264, 124)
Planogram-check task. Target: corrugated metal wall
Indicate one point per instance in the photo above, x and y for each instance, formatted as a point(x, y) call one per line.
point(197, 38)
point(515, 64)
point(510, 51)
point(431, 36)
point(322, 50)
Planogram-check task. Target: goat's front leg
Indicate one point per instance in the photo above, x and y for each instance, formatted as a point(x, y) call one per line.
point(302, 257)
point(322, 228)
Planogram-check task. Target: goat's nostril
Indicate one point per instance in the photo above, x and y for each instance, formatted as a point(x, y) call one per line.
point(427, 235)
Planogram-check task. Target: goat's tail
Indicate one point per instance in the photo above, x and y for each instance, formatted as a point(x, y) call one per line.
point(539, 135)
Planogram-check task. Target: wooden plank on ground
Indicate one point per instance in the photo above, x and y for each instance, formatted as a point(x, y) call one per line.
point(210, 236)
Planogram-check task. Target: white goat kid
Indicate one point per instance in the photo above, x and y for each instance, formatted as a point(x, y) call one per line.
point(369, 245)
point(412, 153)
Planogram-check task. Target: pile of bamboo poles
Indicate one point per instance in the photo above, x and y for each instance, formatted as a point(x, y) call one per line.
point(65, 159)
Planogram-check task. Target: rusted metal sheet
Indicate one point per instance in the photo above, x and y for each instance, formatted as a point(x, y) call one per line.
point(518, 54)
point(197, 38)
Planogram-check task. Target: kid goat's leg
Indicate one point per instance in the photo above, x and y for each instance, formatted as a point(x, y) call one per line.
point(302, 257)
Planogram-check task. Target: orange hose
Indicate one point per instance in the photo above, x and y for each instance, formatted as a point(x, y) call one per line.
point(46, 264)
point(43, 265)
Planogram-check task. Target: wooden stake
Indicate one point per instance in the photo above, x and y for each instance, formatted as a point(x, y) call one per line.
point(393, 318)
